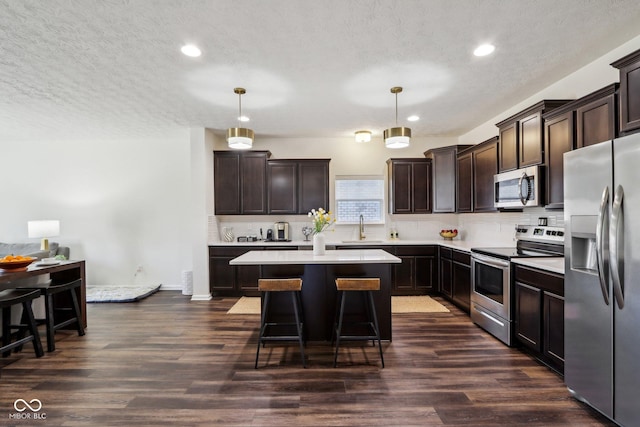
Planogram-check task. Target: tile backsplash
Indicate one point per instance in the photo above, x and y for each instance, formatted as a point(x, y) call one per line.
point(496, 228)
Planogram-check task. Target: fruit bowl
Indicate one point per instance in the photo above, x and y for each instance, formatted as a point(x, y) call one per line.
point(15, 263)
point(448, 234)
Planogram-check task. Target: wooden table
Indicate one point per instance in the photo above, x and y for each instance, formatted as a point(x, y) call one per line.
point(64, 272)
point(318, 275)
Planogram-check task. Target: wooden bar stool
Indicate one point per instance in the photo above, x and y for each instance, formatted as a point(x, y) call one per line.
point(294, 286)
point(9, 299)
point(365, 286)
point(48, 290)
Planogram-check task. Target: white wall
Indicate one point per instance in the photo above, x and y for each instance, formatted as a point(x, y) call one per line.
point(121, 203)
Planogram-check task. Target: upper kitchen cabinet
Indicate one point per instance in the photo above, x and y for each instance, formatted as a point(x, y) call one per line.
point(297, 186)
point(476, 167)
point(444, 173)
point(409, 186)
point(629, 67)
point(464, 181)
point(239, 182)
point(560, 136)
point(313, 185)
point(522, 137)
point(596, 116)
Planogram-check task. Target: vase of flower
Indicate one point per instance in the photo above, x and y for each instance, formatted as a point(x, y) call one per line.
point(321, 221)
point(319, 244)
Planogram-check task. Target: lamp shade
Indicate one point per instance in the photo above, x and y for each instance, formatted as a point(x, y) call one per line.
point(43, 229)
point(240, 138)
point(398, 137)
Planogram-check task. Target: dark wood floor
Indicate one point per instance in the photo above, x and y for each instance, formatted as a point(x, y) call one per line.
point(169, 361)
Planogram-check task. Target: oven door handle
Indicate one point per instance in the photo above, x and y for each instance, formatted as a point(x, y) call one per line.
point(490, 260)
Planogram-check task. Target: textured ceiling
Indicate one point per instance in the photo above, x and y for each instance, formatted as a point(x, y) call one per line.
point(113, 68)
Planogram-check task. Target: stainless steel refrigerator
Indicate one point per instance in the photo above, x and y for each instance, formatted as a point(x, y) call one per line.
point(602, 277)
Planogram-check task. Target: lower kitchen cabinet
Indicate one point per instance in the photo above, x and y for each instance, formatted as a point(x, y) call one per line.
point(455, 277)
point(539, 314)
point(418, 272)
point(234, 280)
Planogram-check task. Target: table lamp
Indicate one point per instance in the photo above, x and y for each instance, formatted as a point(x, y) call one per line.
point(43, 229)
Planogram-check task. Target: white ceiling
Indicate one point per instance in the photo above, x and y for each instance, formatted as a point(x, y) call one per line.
point(113, 68)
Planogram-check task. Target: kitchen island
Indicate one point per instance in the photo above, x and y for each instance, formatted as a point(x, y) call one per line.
point(318, 273)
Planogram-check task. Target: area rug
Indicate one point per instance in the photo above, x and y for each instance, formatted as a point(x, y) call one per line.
point(120, 293)
point(409, 304)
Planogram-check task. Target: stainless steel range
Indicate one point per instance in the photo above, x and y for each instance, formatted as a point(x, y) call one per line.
point(492, 296)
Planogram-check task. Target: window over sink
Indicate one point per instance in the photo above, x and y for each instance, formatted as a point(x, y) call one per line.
point(359, 195)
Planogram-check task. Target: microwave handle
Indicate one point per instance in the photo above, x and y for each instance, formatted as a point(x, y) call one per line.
point(523, 199)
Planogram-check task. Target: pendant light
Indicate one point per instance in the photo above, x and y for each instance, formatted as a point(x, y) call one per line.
point(399, 136)
point(240, 138)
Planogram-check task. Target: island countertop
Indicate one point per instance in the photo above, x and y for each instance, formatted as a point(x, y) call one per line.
point(284, 257)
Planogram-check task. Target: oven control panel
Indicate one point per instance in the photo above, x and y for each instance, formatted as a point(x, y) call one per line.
point(541, 233)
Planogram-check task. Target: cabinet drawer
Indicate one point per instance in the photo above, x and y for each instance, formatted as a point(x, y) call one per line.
point(546, 281)
point(230, 251)
point(416, 250)
point(461, 257)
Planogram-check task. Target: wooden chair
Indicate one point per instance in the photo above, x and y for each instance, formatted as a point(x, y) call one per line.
point(9, 299)
point(49, 290)
point(294, 286)
point(364, 286)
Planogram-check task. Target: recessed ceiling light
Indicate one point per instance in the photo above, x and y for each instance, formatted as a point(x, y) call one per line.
point(484, 50)
point(243, 118)
point(413, 118)
point(191, 50)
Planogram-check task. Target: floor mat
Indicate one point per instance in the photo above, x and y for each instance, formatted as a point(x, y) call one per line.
point(120, 293)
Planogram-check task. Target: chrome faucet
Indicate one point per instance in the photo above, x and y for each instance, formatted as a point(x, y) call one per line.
point(362, 236)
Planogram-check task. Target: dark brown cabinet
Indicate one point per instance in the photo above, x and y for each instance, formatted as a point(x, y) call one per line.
point(313, 185)
point(282, 187)
point(522, 136)
point(559, 131)
point(455, 277)
point(485, 166)
point(464, 182)
point(240, 182)
point(409, 186)
point(596, 119)
point(539, 314)
point(444, 173)
point(297, 186)
point(235, 280)
point(418, 272)
point(629, 67)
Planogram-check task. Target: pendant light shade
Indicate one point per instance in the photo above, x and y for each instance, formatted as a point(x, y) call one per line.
point(399, 136)
point(240, 138)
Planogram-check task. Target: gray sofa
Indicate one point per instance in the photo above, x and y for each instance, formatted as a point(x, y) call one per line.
point(33, 249)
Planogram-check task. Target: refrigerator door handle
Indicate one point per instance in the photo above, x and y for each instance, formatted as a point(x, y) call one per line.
point(602, 247)
point(616, 237)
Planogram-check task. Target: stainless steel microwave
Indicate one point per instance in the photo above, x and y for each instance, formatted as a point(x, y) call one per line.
point(519, 188)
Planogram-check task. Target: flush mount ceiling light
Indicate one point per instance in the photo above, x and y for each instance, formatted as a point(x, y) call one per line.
point(397, 137)
point(240, 138)
point(484, 50)
point(413, 118)
point(363, 136)
point(191, 50)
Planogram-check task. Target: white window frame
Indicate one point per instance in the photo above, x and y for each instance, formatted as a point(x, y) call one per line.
point(362, 178)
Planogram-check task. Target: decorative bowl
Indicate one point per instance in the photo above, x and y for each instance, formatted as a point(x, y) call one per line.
point(19, 264)
point(448, 234)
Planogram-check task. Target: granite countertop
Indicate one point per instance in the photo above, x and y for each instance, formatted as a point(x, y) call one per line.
point(356, 256)
point(552, 264)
